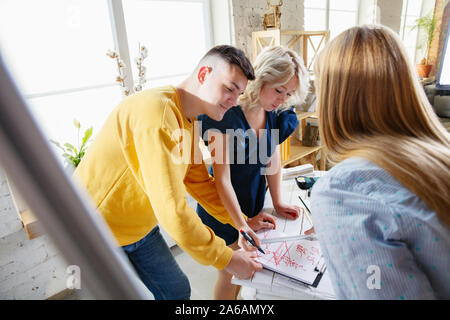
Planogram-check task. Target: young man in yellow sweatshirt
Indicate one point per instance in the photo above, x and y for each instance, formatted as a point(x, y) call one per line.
point(144, 160)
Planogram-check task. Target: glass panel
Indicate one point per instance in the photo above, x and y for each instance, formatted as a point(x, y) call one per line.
point(411, 53)
point(322, 4)
point(403, 27)
point(350, 5)
point(55, 113)
point(172, 31)
point(167, 81)
point(341, 21)
point(445, 68)
point(315, 20)
point(410, 36)
point(411, 11)
point(414, 7)
point(56, 44)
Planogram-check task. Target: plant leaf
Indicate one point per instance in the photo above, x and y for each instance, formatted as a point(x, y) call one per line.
point(87, 135)
point(69, 146)
point(57, 144)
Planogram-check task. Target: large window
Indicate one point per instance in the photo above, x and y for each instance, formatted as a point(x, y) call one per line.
point(175, 32)
point(316, 15)
point(411, 11)
point(56, 52)
point(333, 15)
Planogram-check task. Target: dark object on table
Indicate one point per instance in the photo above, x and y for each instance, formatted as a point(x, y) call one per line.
point(305, 183)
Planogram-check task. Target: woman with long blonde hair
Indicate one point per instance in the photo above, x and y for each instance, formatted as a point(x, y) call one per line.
point(382, 214)
point(252, 132)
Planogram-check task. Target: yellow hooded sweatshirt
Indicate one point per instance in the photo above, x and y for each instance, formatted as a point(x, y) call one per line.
point(139, 169)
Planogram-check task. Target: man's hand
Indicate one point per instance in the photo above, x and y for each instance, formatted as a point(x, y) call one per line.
point(287, 211)
point(242, 264)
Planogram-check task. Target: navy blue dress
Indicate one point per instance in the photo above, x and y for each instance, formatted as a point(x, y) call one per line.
point(248, 160)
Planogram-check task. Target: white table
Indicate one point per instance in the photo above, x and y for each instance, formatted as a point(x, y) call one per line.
point(266, 284)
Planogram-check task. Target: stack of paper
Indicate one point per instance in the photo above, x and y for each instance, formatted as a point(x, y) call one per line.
point(300, 271)
point(289, 173)
point(297, 259)
point(269, 282)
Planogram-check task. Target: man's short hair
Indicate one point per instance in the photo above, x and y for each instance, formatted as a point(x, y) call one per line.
point(232, 55)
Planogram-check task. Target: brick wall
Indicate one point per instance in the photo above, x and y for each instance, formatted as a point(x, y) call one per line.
point(434, 56)
point(248, 17)
point(29, 269)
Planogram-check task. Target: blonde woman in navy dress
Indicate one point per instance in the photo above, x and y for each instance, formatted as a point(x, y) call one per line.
point(382, 214)
point(254, 129)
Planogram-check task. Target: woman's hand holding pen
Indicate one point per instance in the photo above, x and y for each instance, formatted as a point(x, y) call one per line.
point(288, 211)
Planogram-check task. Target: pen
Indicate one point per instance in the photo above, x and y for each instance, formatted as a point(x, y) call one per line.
point(249, 239)
point(304, 204)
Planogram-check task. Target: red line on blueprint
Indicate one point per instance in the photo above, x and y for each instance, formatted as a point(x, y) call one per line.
point(281, 254)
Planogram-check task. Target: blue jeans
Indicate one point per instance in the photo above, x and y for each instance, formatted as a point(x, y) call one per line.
point(157, 268)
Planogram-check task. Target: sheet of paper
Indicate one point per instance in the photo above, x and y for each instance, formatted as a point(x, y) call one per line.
point(286, 227)
point(295, 259)
point(323, 291)
point(290, 173)
point(269, 282)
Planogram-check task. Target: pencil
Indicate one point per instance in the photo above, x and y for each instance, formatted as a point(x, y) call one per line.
point(308, 214)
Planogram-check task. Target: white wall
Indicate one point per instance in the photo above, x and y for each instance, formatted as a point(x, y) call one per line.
point(29, 269)
point(391, 13)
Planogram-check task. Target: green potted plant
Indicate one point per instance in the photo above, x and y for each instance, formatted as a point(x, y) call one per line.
point(72, 155)
point(427, 24)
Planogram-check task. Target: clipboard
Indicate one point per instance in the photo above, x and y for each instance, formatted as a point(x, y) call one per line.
point(299, 259)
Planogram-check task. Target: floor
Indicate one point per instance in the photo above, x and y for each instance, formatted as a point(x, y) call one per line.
point(202, 278)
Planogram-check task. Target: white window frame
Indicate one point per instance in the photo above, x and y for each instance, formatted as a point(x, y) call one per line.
point(328, 11)
point(121, 40)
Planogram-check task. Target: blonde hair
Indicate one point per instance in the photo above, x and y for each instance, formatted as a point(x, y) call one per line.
point(275, 66)
point(371, 105)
